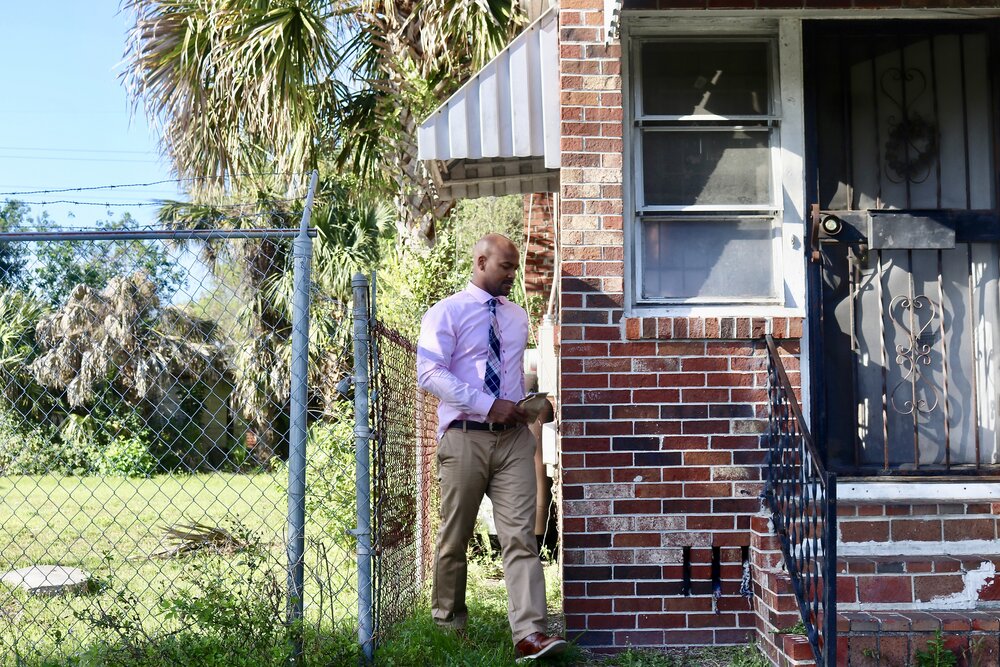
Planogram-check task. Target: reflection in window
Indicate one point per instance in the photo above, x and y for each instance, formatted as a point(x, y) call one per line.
point(724, 79)
point(689, 168)
point(715, 258)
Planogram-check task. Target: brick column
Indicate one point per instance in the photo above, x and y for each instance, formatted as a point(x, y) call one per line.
point(774, 601)
point(596, 540)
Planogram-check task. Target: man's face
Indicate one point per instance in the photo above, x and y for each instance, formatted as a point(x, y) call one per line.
point(497, 270)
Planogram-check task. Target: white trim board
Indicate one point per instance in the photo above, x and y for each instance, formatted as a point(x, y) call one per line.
point(755, 18)
point(903, 549)
point(901, 492)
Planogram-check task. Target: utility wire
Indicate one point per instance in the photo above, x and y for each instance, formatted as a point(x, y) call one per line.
point(91, 203)
point(143, 185)
point(92, 187)
point(74, 159)
point(88, 188)
point(75, 150)
point(157, 203)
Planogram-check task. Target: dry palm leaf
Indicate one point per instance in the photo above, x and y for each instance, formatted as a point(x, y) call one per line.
point(195, 537)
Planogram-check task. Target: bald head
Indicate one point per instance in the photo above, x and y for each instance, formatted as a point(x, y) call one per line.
point(492, 243)
point(495, 262)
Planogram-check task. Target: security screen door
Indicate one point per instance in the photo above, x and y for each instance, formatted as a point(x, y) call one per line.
point(905, 244)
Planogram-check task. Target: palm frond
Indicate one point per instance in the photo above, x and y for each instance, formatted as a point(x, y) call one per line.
point(112, 335)
point(194, 537)
point(188, 60)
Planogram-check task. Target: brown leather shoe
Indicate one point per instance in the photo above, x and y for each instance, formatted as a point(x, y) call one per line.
point(538, 645)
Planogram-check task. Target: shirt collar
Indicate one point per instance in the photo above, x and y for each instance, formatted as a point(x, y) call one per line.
point(481, 295)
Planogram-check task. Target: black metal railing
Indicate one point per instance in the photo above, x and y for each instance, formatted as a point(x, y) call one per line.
point(802, 496)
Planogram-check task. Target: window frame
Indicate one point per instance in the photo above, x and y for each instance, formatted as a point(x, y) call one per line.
point(637, 125)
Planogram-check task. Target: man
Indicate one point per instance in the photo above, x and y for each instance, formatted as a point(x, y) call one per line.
point(471, 355)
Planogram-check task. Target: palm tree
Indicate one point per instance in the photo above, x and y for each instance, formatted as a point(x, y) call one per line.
point(251, 87)
point(250, 94)
point(121, 334)
point(350, 233)
point(238, 85)
point(19, 392)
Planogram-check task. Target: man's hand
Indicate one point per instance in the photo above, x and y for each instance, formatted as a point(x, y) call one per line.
point(506, 412)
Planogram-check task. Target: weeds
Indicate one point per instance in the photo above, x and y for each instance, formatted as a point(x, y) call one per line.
point(936, 654)
point(194, 536)
point(798, 629)
point(223, 610)
point(723, 656)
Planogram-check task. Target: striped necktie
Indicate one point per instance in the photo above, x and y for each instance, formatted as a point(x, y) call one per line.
point(492, 383)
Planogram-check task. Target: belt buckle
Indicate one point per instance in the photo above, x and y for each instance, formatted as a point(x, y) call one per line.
point(494, 427)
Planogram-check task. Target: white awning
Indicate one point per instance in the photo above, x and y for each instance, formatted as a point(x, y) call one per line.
point(499, 133)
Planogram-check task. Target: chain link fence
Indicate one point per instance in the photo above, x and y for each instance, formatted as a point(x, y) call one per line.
point(404, 485)
point(146, 416)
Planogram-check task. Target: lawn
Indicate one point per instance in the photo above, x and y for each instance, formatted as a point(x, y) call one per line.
point(488, 643)
point(225, 609)
point(111, 527)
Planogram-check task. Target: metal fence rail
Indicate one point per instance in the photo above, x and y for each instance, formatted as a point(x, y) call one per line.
point(802, 497)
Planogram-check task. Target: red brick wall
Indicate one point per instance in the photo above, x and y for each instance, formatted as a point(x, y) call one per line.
point(661, 462)
point(539, 234)
point(660, 417)
point(913, 575)
point(773, 600)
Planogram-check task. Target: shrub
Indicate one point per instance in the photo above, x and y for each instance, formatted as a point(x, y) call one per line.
point(125, 457)
point(330, 472)
point(30, 451)
point(111, 442)
point(85, 444)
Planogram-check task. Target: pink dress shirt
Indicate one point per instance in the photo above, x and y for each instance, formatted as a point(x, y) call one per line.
point(451, 354)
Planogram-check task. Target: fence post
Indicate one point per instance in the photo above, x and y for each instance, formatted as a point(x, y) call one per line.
point(362, 440)
point(298, 395)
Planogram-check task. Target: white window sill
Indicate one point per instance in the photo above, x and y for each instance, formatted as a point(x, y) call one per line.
point(714, 310)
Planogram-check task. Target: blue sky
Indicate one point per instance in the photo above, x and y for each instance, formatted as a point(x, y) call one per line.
point(65, 117)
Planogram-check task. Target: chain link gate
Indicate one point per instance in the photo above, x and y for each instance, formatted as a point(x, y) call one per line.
point(395, 428)
point(151, 417)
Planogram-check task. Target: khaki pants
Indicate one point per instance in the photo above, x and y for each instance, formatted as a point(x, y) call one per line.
point(500, 465)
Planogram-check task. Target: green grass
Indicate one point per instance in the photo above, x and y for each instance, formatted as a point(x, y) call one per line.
point(110, 526)
point(77, 521)
point(418, 642)
point(721, 656)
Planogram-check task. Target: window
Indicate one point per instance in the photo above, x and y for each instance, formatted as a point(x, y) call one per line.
point(704, 143)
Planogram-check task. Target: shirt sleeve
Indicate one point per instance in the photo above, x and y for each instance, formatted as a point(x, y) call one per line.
point(435, 348)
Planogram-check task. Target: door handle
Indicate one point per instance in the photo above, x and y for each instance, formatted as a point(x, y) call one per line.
point(828, 223)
